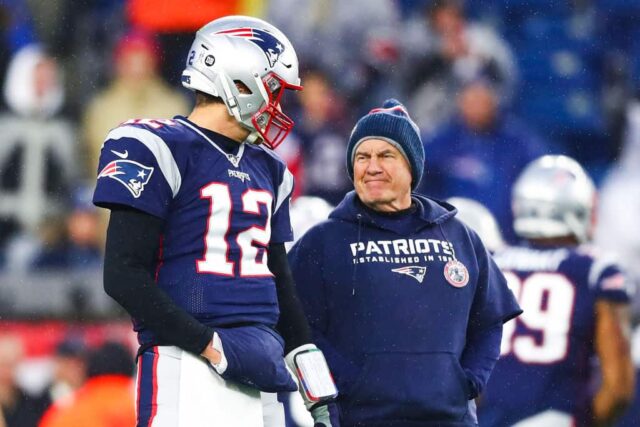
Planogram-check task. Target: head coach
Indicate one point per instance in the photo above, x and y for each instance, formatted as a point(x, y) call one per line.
point(403, 298)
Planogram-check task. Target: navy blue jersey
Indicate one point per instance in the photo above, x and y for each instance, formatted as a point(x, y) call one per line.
point(547, 353)
point(222, 202)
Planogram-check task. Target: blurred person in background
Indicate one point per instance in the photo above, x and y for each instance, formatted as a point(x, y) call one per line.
point(320, 132)
point(354, 41)
point(17, 407)
point(16, 31)
point(480, 220)
point(617, 228)
point(69, 369)
point(307, 211)
point(442, 52)
point(480, 153)
point(619, 204)
point(107, 397)
point(73, 241)
point(576, 308)
point(135, 91)
point(37, 146)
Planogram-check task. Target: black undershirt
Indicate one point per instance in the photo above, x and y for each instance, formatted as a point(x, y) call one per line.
point(133, 239)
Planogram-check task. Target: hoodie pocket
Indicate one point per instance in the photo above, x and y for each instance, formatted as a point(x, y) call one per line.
point(408, 386)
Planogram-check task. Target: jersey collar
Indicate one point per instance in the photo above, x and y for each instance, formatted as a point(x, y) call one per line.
point(224, 149)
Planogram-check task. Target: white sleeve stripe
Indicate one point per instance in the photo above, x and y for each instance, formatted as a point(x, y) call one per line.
point(284, 189)
point(160, 151)
point(597, 268)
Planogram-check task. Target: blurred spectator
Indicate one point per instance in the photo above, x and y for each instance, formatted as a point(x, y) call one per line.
point(16, 30)
point(37, 149)
point(619, 205)
point(323, 138)
point(175, 24)
point(135, 91)
point(17, 407)
point(73, 241)
point(442, 52)
point(480, 220)
point(106, 399)
point(70, 369)
point(355, 41)
point(307, 211)
point(291, 152)
point(480, 154)
point(28, 248)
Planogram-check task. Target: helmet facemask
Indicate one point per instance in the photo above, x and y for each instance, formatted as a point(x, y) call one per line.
point(270, 122)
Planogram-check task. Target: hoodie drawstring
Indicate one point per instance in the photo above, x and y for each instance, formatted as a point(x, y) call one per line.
point(355, 267)
point(444, 237)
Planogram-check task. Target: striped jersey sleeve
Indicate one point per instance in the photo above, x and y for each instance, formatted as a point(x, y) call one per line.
point(137, 169)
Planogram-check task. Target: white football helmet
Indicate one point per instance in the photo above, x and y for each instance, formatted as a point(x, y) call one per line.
point(478, 217)
point(553, 197)
point(305, 212)
point(250, 51)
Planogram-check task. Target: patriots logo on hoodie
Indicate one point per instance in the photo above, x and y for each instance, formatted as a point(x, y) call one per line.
point(414, 271)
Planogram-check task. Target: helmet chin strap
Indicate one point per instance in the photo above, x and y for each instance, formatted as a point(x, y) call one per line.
point(234, 109)
point(253, 138)
point(230, 100)
point(575, 226)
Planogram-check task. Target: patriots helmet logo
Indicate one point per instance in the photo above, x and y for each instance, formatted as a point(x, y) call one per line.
point(132, 175)
point(414, 271)
point(270, 45)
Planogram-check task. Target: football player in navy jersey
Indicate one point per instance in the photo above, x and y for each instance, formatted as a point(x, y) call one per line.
point(195, 246)
point(575, 304)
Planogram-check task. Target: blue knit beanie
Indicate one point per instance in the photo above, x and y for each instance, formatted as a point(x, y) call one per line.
point(392, 124)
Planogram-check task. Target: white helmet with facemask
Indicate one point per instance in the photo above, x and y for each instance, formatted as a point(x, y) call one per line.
point(251, 53)
point(553, 197)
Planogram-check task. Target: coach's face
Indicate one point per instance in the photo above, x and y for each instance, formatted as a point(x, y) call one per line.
point(382, 176)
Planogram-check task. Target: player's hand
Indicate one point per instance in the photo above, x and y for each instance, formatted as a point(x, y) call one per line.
point(211, 354)
point(323, 416)
point(214, 353)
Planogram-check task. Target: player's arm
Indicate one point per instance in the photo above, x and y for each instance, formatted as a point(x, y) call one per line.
point(133, 238)
point(612, 346)
point(292, 323)
point(304, 358)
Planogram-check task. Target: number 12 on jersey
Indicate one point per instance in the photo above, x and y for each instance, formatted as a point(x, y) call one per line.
point(215, 259)
point(547, 301)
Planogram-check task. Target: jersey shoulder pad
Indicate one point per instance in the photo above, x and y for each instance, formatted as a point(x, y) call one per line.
point(146, 142)
point(169, 130)
point(271, 155)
